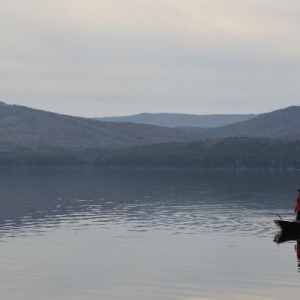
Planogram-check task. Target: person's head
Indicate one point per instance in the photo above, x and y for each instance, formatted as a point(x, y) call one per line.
point(298, 191)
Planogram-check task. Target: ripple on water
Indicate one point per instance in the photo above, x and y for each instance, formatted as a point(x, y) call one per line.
point(138, 217)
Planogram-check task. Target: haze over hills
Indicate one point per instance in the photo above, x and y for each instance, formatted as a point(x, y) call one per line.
point(181, 120)
point(35, 137)
point(279, 124)
point(282, 123)
point(26, 127)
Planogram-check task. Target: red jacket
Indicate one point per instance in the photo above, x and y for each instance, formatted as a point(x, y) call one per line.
point(297, 208)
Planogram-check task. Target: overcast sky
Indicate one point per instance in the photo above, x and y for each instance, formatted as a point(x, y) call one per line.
point(122, 57)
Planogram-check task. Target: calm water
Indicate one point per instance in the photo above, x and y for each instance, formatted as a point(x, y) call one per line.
point(146, 234)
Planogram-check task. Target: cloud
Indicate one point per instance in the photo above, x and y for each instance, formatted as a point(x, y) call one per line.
point(160, 50)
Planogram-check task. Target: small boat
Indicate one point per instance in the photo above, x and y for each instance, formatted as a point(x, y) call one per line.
point(288, 225)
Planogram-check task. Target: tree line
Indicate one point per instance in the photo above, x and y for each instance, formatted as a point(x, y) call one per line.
point(216, 153)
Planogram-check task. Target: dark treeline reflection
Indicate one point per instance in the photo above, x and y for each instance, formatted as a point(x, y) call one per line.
point(151, 197)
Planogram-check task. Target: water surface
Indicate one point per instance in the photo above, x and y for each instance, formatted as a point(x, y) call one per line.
point(84, 233)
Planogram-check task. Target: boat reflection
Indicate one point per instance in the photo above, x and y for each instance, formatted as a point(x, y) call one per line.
point(297, 249)
point(286, 236)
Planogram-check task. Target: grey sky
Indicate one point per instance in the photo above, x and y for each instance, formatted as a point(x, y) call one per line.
point(120, 57)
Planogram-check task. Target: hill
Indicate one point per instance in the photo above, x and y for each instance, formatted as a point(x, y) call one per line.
point(181, 120)
point(31, 128)
point(279, 124)
point(217, 153)
point(34, 137)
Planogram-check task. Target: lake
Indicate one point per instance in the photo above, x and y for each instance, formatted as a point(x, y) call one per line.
point(88, 233)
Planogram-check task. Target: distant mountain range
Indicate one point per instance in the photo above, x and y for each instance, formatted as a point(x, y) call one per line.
point(282, 123)
point(25, 127)
point(279, 124)
point(31, 128)
point(181, 120)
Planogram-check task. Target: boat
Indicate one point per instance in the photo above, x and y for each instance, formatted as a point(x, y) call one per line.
point(293, 226)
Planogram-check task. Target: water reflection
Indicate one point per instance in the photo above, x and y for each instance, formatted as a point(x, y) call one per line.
point(141, 200)
point(137, 234)
point(284, 236)
point(297, 249)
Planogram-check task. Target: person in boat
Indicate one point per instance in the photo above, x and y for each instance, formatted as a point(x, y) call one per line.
point(297, 207)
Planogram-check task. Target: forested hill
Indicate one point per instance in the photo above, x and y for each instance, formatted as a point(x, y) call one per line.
point(217, 153)
point(31, 128)
point(182, 120)
point(279, 124)
point(34, 137)
point(282, 123)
